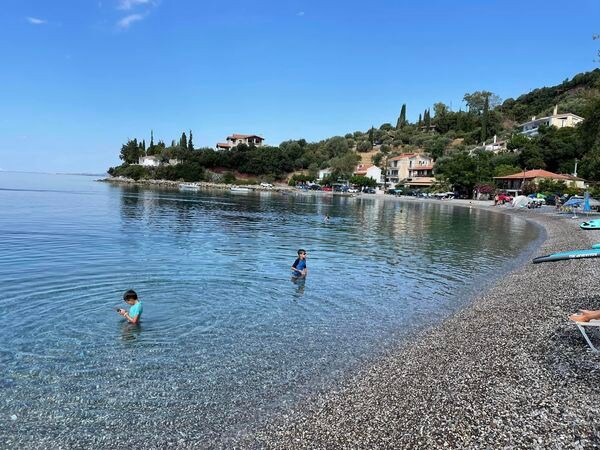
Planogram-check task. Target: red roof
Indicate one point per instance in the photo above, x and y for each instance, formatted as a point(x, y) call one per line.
point(362, 168)
point(244, 136)
point(225, 144)
point(402, 156)
point(531, 174)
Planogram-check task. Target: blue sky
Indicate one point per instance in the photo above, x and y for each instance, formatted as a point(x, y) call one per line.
point(79, 77)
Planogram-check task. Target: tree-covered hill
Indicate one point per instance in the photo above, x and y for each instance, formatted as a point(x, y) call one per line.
point(570, 96)
point(453, 138)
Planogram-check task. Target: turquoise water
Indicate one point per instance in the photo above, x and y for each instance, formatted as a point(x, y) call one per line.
point(227, 338)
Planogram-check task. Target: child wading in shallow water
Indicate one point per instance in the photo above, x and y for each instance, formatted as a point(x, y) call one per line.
point(299, 269)
point(135, 312)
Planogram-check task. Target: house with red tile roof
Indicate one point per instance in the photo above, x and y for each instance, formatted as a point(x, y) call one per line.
point(369, 171)
point(237, 139)
point(410, 170)
point(513, 184)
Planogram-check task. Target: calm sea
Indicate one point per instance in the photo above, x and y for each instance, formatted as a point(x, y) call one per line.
point(227, 338)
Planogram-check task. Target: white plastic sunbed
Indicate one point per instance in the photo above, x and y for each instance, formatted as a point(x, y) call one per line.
point(591, 323)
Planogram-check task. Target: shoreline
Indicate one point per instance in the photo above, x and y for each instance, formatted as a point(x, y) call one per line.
point(506, 370)
point(171, 184)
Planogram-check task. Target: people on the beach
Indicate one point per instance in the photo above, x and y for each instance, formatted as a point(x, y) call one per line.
point(135, 312)
point(585, 315)
point(299, 268)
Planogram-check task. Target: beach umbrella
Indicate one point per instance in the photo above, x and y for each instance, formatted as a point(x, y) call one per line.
point(574, 201)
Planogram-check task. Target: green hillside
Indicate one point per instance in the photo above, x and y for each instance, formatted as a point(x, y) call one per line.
point(570, 96)
point(451, 137)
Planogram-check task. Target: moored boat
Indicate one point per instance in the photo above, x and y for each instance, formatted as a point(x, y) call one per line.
point(188, 187)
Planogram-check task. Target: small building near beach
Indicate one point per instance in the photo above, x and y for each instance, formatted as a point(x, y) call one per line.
point(369, 171)
point(325, 173)
point(513, 184)
point(237, 139)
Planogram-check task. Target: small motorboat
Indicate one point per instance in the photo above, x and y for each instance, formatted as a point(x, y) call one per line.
point(239, 189)
point(188, 187)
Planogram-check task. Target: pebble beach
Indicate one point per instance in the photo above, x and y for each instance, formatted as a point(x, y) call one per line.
point(508, 371)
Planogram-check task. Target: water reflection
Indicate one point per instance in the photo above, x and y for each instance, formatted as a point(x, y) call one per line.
point(300, 284)
point(130, 331)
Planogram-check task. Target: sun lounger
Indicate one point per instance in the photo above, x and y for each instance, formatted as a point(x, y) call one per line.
point(591, 323)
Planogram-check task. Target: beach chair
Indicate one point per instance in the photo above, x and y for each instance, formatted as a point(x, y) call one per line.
point(591, 323)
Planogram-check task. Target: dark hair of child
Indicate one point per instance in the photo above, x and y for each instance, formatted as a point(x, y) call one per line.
point(130, 295)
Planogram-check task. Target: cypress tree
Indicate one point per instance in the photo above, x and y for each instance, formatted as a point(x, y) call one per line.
point(190, 143)
point(420, 122)
point(402, 118)
point(183, 140)
point(403, 114)
point(144, 145)
point(371, 136)
point(151, 138)
point(427, 120)
point(484, 118)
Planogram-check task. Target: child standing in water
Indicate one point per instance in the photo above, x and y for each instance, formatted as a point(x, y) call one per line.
point(135, 312)
point(299, 269)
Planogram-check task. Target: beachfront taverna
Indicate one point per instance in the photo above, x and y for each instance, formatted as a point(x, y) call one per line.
point(513, 184)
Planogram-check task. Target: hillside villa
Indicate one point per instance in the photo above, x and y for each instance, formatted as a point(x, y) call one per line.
point(237, 139)
point(513, 184)
point(412, 170)
point(555, 120)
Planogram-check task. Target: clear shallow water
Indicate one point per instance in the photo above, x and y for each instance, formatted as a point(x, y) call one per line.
point(227, 338)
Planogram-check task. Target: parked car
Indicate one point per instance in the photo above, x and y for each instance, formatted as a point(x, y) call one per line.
point(266, 185)
point(369, 190)
point(327, 188)
point(503, 198)
point(353, 190)
point(391, 191)
point(315, 187)
point(340, 188)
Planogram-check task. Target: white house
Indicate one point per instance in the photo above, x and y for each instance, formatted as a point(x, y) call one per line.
point(149, 161)
point(369, 171)
point(324, 173)
point(495, 146)
point(555, 120)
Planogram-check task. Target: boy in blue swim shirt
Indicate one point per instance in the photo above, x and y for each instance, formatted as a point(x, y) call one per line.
point(135, 312)
point(299, 268)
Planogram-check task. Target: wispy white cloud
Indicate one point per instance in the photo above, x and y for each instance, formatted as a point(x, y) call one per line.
point(300, 13)
point(130, 4)
point(126, 21)
point(36, 21)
